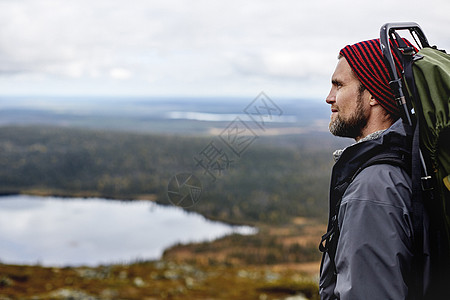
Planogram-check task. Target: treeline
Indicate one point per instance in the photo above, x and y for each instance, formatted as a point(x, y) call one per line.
point(273, 180)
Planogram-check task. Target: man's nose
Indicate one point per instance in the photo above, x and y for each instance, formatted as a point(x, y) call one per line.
point(331, 98)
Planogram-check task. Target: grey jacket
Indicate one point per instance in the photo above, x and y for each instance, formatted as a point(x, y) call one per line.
point(375, 247)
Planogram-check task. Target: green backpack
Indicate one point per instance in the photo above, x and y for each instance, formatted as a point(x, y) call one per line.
point(431, 103)
point(432, 79)
point(426, 106)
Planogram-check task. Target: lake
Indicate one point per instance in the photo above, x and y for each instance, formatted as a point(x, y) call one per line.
point(54, 231)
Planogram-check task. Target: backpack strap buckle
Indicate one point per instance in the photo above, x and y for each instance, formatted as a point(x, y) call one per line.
point(427, 183)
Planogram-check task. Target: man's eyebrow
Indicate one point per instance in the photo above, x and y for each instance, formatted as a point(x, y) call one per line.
point(336, 82)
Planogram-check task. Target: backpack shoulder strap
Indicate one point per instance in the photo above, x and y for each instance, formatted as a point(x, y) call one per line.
point(387, 159)
point(330, 239)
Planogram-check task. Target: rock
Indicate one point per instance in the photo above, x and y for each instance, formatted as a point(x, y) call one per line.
point(139, 282)
point(71, 294)
point(6, 281)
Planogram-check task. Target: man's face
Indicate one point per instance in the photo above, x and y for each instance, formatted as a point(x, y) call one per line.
point(349, 105)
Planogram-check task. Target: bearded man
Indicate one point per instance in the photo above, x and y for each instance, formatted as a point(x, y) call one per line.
point(368, 249)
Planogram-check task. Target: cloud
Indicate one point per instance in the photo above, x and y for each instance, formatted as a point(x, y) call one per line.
point(284, 64)
point(119, 73)
point(190, 48)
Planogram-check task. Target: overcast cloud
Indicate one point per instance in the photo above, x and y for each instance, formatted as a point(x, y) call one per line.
point(191, 48)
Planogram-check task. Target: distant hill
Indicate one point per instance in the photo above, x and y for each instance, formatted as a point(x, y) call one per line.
point(156, 115)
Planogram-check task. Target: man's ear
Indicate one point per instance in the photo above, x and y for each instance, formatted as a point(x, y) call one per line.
point(373, 101)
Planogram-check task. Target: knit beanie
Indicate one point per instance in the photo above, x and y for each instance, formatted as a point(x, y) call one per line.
point(366, 60)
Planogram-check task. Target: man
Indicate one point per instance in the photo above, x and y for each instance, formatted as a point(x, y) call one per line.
point(368, 249)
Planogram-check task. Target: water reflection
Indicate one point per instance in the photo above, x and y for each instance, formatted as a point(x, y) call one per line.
point(56, 232)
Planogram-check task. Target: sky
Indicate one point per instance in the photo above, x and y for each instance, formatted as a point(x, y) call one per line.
point(195, 48)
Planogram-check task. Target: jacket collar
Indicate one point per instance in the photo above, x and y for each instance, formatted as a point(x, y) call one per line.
point(337, 154)
point(352, 157)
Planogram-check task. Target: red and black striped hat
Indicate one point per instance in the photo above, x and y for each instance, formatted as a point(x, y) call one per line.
point(366, 60)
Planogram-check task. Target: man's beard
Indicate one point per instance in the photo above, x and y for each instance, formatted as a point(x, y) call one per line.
point(351, 127)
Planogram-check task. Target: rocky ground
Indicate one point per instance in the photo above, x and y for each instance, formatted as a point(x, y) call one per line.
point(156, 280)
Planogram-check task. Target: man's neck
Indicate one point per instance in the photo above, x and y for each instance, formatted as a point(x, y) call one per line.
point(374, 125)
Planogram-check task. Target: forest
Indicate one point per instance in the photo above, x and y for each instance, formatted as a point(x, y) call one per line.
point(274, 180)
